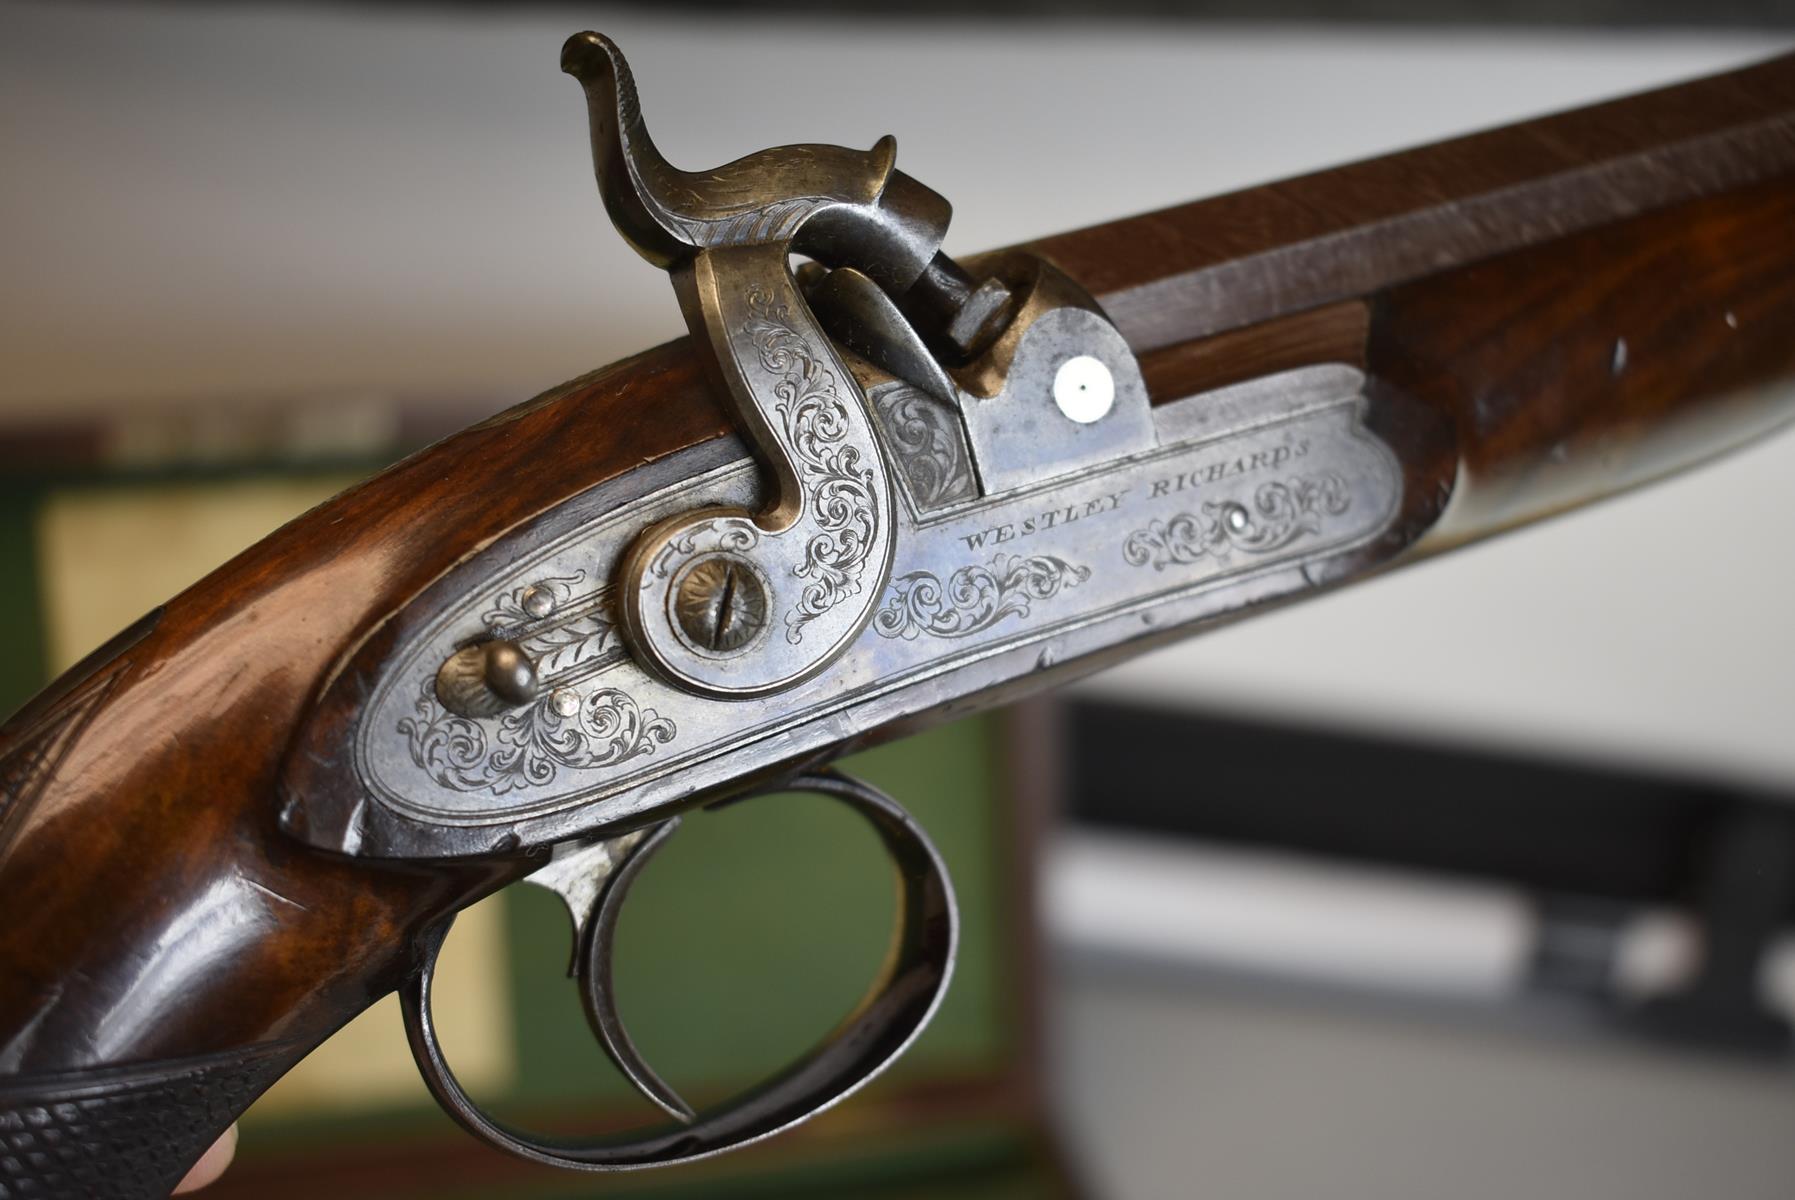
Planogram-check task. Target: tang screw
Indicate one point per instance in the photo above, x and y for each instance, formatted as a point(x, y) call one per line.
point(486, 678)
point(720, 604)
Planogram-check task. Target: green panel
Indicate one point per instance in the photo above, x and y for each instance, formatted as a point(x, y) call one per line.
point(22, 668)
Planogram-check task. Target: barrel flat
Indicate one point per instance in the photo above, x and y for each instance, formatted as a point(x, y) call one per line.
point(1238, 259)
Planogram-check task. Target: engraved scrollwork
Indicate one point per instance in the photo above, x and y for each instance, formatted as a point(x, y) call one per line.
point(1279, 514)
point(530, 747)
point(975, 597)
point(557, 626)
point(728, 535)
point(839, 487)
point(928, 446)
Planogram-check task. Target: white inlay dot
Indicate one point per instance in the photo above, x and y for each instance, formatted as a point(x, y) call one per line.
point(1084, 389)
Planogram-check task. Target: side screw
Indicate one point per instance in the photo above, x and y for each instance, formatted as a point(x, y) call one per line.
point(720, 604)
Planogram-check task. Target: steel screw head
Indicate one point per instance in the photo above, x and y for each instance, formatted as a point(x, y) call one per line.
point(981, 318)
point(538, 601)
point(486, 678)
point(720, 604)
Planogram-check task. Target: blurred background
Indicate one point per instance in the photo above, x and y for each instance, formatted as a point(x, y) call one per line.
point(1473, 881)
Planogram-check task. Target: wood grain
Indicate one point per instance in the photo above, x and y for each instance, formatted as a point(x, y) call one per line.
point(153, 845)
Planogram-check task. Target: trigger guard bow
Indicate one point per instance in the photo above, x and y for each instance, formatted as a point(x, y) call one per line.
point(895, 1009)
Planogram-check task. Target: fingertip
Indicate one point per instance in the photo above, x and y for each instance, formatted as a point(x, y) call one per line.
point(211, 1164)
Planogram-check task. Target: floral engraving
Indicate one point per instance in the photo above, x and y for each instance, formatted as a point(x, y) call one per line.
point(731, 535)
point(928, 446)
point(838, 486)
point(975, 597)
point(554, 624)
point(530, 603)
point(1279, 514)
point(560, 648)
point(530, 747)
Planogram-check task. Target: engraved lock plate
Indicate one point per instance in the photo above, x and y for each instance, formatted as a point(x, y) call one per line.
point(1241, 496)
point(869, 549)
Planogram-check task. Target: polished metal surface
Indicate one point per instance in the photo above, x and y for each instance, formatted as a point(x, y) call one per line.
point(1234, 496)
point(486, 678)
point(967, 491)
point(720, 603)
point(821, 547)
point(979, 498)
point(858, 314)
point(594, 881)
point(1016, 421)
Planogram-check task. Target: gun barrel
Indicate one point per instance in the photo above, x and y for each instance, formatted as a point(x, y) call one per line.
point(1592, 299)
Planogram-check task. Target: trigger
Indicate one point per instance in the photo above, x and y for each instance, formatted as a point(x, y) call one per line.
point(593, 880)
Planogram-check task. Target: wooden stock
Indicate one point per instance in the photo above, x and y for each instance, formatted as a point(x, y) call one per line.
point(1548, 313)
point(155, 915)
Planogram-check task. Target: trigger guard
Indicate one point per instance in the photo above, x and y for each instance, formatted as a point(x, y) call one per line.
point(894, 1011)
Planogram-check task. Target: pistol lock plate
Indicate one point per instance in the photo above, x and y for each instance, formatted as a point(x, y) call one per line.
point(948, 487)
